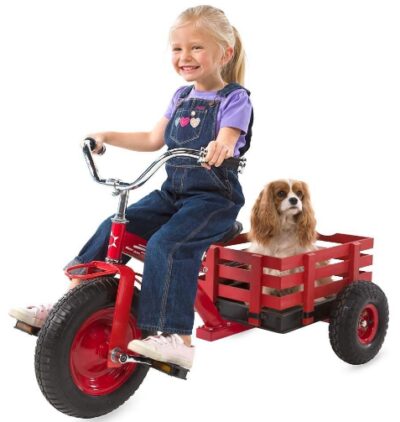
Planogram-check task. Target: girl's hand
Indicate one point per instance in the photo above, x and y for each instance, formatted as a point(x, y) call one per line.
point(100, 140)
point(217, 152)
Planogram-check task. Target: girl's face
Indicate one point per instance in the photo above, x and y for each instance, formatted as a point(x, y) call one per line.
point(198, 58)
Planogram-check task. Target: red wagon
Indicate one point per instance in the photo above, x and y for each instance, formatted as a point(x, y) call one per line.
point(233, 280)
point(82, 363)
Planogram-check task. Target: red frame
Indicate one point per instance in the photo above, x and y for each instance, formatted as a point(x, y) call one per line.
point(347, 251)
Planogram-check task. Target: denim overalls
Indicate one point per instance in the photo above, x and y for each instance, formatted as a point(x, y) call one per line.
point(194, 208)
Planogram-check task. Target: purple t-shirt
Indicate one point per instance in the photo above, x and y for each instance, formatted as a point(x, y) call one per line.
point(234, 110)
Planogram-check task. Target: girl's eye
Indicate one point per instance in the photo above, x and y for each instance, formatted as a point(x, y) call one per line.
point(176, 49)
point(197, 47)
point(281, 194)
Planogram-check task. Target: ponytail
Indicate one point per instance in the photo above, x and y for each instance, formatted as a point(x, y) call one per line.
point(234, 70)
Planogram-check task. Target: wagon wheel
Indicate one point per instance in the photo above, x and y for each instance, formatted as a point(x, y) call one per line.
point(72, 349)
point(359, 321)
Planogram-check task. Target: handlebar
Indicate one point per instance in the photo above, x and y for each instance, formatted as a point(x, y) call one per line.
point(120, 186)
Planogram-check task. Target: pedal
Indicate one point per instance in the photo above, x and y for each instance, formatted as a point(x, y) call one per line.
point(165, 367)
point(26, 328)
point(170, 369)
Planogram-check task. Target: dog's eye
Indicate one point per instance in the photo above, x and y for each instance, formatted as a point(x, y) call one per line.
point(281, 194)
point(299, 193)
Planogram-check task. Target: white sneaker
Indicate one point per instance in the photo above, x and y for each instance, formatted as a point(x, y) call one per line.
point(31, 315)
point(165, 348)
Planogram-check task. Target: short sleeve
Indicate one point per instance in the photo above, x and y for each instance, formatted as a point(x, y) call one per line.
point(236, 111)
point(171, 106)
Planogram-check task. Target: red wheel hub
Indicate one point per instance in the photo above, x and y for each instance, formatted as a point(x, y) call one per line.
point(368, 324)
point(89, 353)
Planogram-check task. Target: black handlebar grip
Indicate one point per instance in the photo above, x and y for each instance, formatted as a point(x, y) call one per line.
point(93, 146)
point(234, 163)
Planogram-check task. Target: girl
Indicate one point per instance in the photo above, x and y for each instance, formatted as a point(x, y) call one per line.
point(197, 204)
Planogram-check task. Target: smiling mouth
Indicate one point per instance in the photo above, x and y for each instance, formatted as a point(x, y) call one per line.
point(189, 68)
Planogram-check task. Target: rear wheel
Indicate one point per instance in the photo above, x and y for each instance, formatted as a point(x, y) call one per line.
point(359, 322)
point(72, 349)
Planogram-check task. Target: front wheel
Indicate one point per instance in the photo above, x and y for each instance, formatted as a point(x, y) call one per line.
point(359, 322)
point(72, 350)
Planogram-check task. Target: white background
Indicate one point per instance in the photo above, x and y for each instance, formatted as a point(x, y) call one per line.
point(324, 77)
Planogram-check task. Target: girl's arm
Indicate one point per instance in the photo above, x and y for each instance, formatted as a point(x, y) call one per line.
point(136, 141)
point(223, 147)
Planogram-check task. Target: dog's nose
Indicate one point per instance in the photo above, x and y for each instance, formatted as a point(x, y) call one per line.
point(293, 201)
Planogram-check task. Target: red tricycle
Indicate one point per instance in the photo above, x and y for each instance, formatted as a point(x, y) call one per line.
point(82, 363)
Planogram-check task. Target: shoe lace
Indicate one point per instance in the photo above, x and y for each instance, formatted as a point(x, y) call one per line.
point(172, 339)
point(41, 308)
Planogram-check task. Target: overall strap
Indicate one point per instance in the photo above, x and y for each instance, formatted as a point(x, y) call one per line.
point(248, 136)
point(186, 91)
point(227, 89)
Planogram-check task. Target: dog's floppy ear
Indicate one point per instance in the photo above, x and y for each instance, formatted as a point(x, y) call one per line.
point(306, 222)
point(264, 216)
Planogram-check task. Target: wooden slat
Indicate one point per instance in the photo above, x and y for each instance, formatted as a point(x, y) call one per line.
point(329, 289)
point(233, 293)
point(366, 242)
point(283, 282)
point(242, 257)
point(341, 267)
point(283, 302)
point(234, 273)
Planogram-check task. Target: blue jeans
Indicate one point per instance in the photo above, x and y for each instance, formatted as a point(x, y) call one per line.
point(194, 208)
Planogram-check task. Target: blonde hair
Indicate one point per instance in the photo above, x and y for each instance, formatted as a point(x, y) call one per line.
point(216, 24)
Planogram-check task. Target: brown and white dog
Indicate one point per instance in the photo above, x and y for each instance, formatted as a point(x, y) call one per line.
point(283, 224)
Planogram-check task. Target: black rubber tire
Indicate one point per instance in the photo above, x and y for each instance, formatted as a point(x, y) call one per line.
point(52, 356)
point(344, 322)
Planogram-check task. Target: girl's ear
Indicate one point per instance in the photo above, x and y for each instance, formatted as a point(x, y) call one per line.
point(227, 57)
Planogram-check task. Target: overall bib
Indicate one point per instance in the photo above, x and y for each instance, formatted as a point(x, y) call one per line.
point(194, 208)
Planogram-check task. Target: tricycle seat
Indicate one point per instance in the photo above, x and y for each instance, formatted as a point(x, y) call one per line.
point(234, 231)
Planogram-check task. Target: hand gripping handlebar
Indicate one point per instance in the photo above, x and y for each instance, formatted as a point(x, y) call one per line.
point(199, 155)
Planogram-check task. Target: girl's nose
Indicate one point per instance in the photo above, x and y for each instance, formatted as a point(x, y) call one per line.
point(186, 56)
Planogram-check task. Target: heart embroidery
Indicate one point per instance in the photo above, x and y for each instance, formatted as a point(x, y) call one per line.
point(177, 121)
point(194, 122)
point(184, 121)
